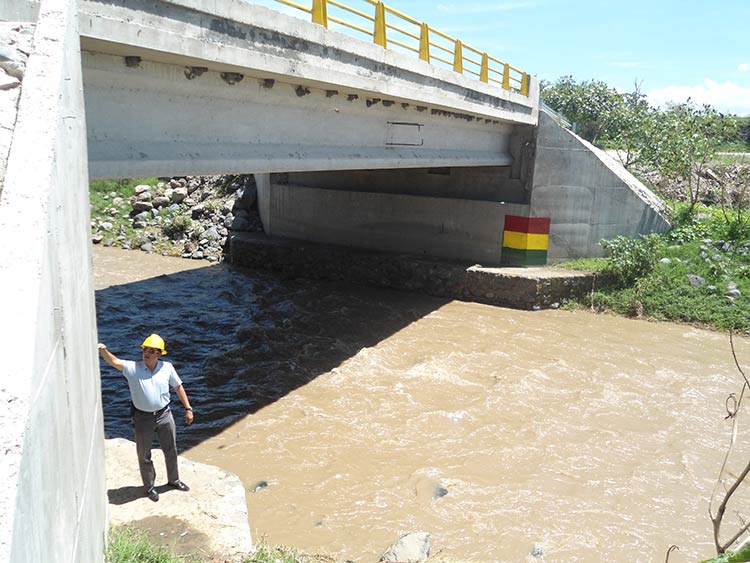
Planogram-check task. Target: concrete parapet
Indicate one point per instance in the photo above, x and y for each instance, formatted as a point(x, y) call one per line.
point(521, 288)
point(53, 501)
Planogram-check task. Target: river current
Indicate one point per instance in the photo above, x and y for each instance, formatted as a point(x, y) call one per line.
point(355, 415)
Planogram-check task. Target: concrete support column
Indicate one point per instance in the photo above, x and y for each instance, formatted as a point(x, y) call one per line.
point(263, 189)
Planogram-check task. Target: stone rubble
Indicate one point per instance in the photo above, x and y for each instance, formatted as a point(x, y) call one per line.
point(186, 216)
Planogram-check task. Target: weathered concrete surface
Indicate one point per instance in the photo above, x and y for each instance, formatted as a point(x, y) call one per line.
point(587, 194)
point(52, 503)
point(285, 94)
point(521, 288)
point(209, 521)
point(464, 229)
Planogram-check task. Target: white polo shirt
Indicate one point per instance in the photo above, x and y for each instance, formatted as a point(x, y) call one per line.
point(150, 391)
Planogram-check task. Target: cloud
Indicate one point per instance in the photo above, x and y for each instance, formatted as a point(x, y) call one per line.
point(483, 8)
point(744, 67)
point(725, 97)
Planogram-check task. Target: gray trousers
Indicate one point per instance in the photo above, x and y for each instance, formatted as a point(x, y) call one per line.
point(162, 424)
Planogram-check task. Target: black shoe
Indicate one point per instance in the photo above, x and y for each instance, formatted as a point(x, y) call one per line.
point(179, 485)
point(152, 494)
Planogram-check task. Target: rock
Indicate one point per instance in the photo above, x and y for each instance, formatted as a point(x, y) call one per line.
point(536, 551)
point(142, 216)
point(141, 188)
point(247, 198)
point(139, 206)
point(108, 242)
point(733, 293)
point(409, 548)
point(147, 247)
point(197, 255)
point(211, 234)
point(117, 201)
point(97, 238)
point(240, 224)
point(161, 201)
point(259, 486)
point(106, 225)
point(139, 225)
point(696, 281)
point(228, 220)
point(179, 195)
point(665, 261)
point(174, 183)
point(732, 285)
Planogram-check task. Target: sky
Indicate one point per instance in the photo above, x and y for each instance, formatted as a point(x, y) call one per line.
point(675, 49)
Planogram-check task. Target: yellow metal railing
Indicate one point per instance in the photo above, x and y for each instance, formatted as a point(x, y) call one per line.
point(414, 36)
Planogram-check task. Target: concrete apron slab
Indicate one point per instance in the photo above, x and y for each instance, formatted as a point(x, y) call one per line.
point(519, 288)
point(210, 520)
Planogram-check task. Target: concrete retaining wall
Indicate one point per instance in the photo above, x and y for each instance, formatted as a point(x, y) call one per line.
point(53, 499)
point(587, 194)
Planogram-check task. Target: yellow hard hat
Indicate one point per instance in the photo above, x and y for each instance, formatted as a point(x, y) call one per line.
point(154, 341)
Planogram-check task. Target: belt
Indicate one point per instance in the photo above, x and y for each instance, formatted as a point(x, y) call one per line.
point(154, 413)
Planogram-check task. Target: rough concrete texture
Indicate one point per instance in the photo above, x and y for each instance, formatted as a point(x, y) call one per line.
point(238, 36)
point(520, 288)
point(587, 194)
point(52, 503)
point(150, 120)
point(461, 229)
point(210, 520)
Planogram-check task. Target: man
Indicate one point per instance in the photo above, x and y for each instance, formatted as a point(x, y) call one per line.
point(149, 381)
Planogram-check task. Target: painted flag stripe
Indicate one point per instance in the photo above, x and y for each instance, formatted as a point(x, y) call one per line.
point(536, 225)
point(525, 241)
point(515, 257)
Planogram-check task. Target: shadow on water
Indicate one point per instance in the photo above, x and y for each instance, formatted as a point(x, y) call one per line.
point(241, 339)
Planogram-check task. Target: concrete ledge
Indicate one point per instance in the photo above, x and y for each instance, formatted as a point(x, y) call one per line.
point(210, 520)
point(519, 288)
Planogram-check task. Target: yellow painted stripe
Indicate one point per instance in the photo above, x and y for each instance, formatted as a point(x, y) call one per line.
point(525, 241)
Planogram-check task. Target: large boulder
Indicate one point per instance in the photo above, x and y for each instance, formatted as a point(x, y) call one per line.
point(410, 548)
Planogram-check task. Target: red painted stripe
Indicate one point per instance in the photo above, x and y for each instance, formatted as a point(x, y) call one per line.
point(533, 225)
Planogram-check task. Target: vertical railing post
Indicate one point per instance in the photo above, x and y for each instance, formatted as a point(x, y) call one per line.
point(525, 85)
point(379, 35)
point(424, 43)
point(458, 58)
point(484, 72)
point(320, 12)
point(506, 77)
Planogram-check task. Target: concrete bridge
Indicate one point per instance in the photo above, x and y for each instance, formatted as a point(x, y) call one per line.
point(350, 143)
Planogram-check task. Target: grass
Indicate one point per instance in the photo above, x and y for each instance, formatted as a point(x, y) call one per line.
point(687, 278)
point(127, 545)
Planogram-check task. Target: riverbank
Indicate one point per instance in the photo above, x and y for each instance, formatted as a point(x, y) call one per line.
point(209, 521)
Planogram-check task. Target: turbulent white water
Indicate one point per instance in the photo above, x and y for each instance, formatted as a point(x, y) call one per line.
point(372, 413)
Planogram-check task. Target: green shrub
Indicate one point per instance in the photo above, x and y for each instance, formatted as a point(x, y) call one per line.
point(631, 259)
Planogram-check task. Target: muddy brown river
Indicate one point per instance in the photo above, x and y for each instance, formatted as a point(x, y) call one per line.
point(355, 415)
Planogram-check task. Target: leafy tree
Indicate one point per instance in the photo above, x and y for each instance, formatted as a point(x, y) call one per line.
point(681, 140)
point(594, 106)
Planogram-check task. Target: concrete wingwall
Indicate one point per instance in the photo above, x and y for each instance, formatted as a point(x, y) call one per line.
point(53, 501)
point(587, 194)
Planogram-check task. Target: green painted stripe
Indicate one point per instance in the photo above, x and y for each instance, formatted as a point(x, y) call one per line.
point(516, 257)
